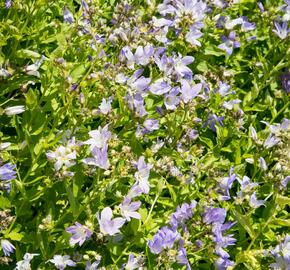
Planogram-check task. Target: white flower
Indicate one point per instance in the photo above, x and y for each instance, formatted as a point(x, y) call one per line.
point(105, 106)
point(25, 263)
point(61, 262)
point(14, 110)
point(99, 138)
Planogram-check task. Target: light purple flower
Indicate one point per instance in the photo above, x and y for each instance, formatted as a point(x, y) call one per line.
point(7, 172)
point(79, 233)
point(224, 89)
point(99, 158)
point(222, 263)
point(271, 141)
point(254, 202)
point(193, 35)
point(108, 225)
point(8, 3)
point(212, 120)
point(285, 181)
point(281, 31)
point(133, 262)
point(281, 254)
point(61, 262)
point(144, 54)
point(129, 209)
point(214, 215)
point(246, 185)
point(247, 26)
point(164, 238)
point(7, 247)
point(223, 241)
point(189, 92)
point(92, 266)
point(182, 214)
point(171, 100)
point(263, 164)
point(180, 66)
point(67, 15)
point(225, 185)
point(229, 43)
point(182, 258)
point(137, 83)
point(159, 87)
point(142, 175)
point(151, 124)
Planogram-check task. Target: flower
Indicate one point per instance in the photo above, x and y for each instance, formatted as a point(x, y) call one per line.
point(230, 104)
point(192, 35)
point(271, 141)
point(159, 87)
point(33, 69)
point(107, 224)
point(128, 209)
point(281, 31)
point(229, 43)
point(263, 164)
point(133, 262)
point(180, 66)
point(79, 233)
point(67, 15)
point(182, 258)
point(7, 247)
point(189, 92)
point(281, 254)
point(98, 138)
point(164, 238)
point(214, 215)
point(14, 110)
point(105, 106)
point(254, 202)
point(99, 158)
point(92, 266)
point(8, 3)
point(61, 262)
point(285, 181)
point(151, 124)
point(7, 172)
point(64, 156)
point(223, 89)
point(246, 185)
point(25, 263)
point(171, 100)
point(225, 185)
point(223, 262)
point(142, 175)
point(212, 120)
point(285, 82)
point(182, 214)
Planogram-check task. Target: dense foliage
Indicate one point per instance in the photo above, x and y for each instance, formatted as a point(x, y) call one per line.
point(144, 134)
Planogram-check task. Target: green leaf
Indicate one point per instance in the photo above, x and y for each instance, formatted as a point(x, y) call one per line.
point(282, 200)
point(15, 236)
point(4, 203)
point(211, 50)
point(245, 222)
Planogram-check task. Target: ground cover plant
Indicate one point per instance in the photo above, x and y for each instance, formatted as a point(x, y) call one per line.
point(144, 134)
